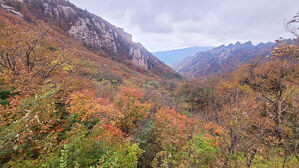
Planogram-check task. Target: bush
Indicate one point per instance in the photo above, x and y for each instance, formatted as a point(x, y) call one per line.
point(114, 79)
point(198, 152)
point(119, 156)
point(4, 95)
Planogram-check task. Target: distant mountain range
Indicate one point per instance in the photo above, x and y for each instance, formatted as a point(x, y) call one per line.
point(173, 57)
point(223, 59)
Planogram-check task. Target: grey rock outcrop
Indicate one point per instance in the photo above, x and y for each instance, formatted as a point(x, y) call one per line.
point(99, 37)
point(11, 9)
point(96, 33)
point(141, 59)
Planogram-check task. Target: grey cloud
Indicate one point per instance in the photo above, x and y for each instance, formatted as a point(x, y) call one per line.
point(166, 24)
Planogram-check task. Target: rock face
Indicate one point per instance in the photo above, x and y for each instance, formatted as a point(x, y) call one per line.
point(223, 59)
point(11, 9)
point(96, 33)
point(98, 37)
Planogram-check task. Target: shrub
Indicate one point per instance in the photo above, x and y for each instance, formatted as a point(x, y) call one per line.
point(119, 156)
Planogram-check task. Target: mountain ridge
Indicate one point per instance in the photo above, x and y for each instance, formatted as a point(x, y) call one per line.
point(223, 58)
point(172, 57)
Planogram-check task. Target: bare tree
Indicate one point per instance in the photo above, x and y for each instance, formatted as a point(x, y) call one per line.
point(293, 25)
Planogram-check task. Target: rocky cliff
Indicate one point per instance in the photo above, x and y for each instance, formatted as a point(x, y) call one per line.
point(96, 33)
point(223, 59)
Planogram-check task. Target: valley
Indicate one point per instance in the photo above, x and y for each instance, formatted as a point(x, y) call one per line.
point(76, 91)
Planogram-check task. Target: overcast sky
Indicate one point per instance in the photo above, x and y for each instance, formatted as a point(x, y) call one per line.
point(171, 24)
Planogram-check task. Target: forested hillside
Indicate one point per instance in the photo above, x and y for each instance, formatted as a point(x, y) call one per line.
point(94, 32)
point(65, 104)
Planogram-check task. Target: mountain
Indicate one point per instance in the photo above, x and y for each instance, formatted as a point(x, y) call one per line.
point(223, 58)
point(93, 31)
point(173, 57)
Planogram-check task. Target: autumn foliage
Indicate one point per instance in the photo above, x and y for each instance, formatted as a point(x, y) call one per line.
point(65, 107)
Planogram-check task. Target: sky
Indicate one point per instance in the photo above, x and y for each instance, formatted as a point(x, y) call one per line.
point(171, 24)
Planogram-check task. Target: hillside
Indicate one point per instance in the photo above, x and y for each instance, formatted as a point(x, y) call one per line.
point(173, 57)
point(76, 92)
point(94, 32)
point(223, 59)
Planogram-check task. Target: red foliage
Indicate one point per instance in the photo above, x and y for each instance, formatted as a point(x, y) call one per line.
point(173, 128)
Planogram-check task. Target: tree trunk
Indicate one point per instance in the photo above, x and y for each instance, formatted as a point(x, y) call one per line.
point(284, 161)
point(233, 139)
point(250, 156)
point(236, 161)
point(279, 111)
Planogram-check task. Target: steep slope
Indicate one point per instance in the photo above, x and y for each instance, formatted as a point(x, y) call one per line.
point(173, 57)
point(97, 34)
point(223, 58)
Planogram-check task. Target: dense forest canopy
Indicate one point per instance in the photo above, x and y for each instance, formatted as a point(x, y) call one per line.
point(63, 105)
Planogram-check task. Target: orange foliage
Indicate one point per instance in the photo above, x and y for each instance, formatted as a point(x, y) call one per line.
point(115, 119)
point(132, 109)
point(10, 113)
point(85, 104)
point(173, 128)
point(110, 134)
point(30, 57)
point(214, 129)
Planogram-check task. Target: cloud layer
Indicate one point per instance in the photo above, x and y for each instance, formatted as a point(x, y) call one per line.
point(169, 24)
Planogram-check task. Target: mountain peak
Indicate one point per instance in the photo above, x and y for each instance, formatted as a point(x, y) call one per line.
point(238, 43)
point(222, 59)
point(248, 42)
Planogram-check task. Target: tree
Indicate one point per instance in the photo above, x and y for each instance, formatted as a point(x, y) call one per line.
point(29, 57)
point(195, 95)
point(292, 25)
point(244, 124)
point(277, 84)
